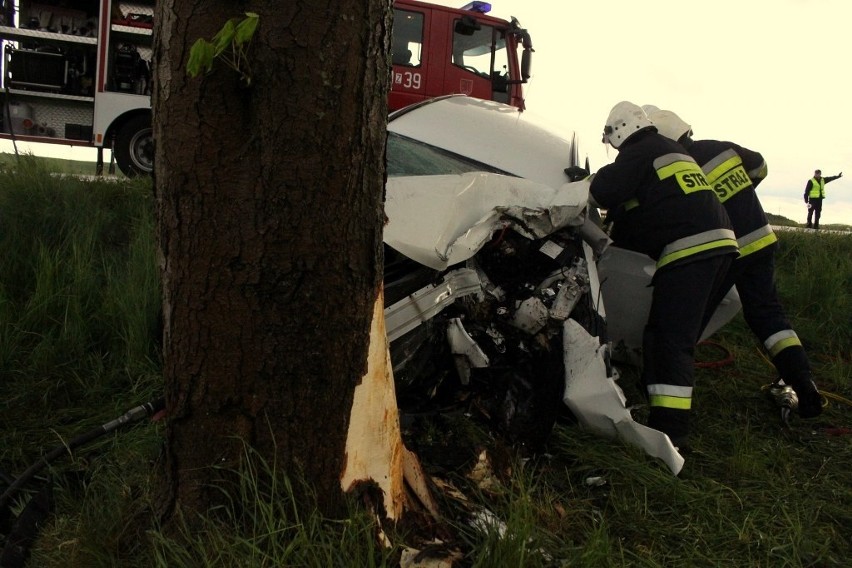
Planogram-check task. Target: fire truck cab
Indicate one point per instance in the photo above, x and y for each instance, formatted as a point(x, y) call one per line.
point(438, 51)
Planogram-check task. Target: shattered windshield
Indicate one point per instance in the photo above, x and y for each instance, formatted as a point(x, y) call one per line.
point(407, 157)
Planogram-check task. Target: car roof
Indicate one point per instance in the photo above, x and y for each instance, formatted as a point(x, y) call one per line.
point(489, 132)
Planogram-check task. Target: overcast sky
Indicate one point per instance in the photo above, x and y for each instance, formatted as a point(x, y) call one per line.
point(770, 75)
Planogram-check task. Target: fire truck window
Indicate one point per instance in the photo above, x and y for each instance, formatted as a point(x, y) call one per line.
point(406, 48)
point(473, 50)
point(500, 72)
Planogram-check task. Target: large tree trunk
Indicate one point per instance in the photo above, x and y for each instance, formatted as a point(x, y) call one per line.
point(270, 214)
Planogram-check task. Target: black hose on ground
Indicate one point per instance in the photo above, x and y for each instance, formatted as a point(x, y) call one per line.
point(129, 417)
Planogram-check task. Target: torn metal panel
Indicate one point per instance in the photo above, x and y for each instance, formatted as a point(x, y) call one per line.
point(467, 352)
point(595, 296)
point(426, 303)
point(599, 404)
point(442, 220)
point(626, 288)
point(597, 239)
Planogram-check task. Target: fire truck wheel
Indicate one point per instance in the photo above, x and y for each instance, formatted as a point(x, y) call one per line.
point(134, 147)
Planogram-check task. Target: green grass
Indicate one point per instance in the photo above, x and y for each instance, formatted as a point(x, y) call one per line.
point(79, 346)
point(54, 165)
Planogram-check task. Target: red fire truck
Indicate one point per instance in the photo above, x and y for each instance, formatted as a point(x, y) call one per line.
point(440, 51)
point(78, 73)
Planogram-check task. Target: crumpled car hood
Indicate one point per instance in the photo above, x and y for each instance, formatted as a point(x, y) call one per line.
point(440, 221)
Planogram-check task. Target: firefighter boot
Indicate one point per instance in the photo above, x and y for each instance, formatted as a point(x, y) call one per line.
point(810, 401)
point(672, 422)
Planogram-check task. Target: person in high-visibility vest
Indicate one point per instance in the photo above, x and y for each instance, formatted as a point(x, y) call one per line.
point(734, 172)
point(673, 216)
point(814, 195)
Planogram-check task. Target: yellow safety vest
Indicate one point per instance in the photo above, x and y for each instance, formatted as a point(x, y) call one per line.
point(817, 188)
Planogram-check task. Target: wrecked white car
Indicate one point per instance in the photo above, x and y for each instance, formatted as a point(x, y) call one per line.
point(499, 281)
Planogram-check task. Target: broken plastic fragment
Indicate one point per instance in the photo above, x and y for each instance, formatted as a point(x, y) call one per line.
point(598, 402)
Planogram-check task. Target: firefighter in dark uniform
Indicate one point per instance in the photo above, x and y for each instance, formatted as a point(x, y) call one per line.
point(674, 217)
point(734, 172)
point(814, 195)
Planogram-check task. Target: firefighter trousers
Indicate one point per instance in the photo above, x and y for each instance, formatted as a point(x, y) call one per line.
point(754, 277)
point(679, 301)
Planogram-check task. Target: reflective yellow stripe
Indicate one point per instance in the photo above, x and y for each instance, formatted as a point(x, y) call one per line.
point(690, 181)
point(679, 391)
point(675, 402)
point(670, 396)
point(726, 174)
point(731, 183)
point(782, 345)
point(758, 245)
point(778, 342)
point(688, 176)
point(694, 250)
point(695, 244)
point(756, 240)
point(714, 172)
point(759, 172)
point(730, 159)
point(662, 163)
point(672, 168)
point(684, 170)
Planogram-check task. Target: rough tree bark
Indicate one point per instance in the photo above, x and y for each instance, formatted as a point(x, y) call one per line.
point(269, 223)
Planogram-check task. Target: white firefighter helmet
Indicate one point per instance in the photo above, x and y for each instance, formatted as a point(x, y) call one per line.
point(649, 109)
point(669, 124)
point(625, 119)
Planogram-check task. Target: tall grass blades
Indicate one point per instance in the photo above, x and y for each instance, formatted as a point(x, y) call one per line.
point(815, 282)
point(266, 523)
point(79, 298)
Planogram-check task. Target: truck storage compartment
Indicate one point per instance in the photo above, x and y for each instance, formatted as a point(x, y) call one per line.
point(78, 131)
point(31, 69)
